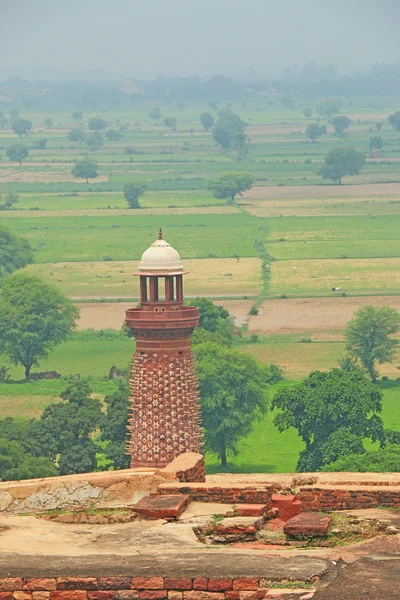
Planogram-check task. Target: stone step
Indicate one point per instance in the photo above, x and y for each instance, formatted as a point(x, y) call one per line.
point(162, 507)
point(308, 525)
point(251, 510)
point(288, 505)
point(239, 528)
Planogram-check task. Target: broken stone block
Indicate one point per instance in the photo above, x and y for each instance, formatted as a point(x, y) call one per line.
point(308, 525)
point(250, 510)
point(162, 506)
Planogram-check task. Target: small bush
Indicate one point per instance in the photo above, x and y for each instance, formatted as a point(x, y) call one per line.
point(253, 310)
point(107, 258)
point(253, 338)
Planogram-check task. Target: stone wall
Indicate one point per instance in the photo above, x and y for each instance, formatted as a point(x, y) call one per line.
point(95, 490)
point(331, 499)
point(228, 494)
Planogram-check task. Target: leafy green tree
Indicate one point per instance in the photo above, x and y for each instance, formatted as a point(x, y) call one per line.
point(10, 199)
point(328, 108)
point(21, 126)
point(375, 142)
point(132, 192)
point(384, 460)
point(40, 144)
point(394, 120)
point(15, 252)
point(16, 464)
point(214, 319)
point(94, 140)
point(112, 134)
point(341, 162)
point(86, 169)
point(34, 318)
point(233, 395)
point(328, 407)
point(226, 129)
point(340, 124)
point(369, 337)
point(17, 153)
point(207, 120)
point(170, 122)
point(77, 116)
point(67, 428)
point(97, 124)
point(155, 113)
point(347, 363)
point(229, 185)
point(379, 125)
point(76, 135)
point(14, 114)
point(48, 122)
point(308, 112)
point(314, 131)
point(114, 430)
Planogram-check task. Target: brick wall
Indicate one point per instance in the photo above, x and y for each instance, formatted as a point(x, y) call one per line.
point(138, 588)
point(348, 499)
point(187, 467)
point(224, 495)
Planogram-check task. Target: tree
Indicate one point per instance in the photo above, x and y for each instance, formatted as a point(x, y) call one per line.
point(86, 168)
point(326, 408)
point(314, 131)
point(308, 112)
point(155, 113)
point(15, 252)
point(287, 101)
point(132, 192)
point(347, 363)
point(233, 395)
point(328, 108)
point(340, 124)
point(16, 464)
point(77, 116)
point(340, 162)
point(375, 142)
point(11, 199)
point(40, 144)
point(394, 120)
point(379, 125)
point(3, 120)
point(17, 153)
point(21, 126)
point(226, 129)
point(369, 337)
point(213, 103)
point(76, 135)
point(34, 318)
point(229, 185)
point(384, 460)
point(112, 134)
point(170, 122)
point(66, 429)
point(48, 122)
point(207, 120)
point(114, 430)
point(215, 320)
point(97, 124)
point(94, 140)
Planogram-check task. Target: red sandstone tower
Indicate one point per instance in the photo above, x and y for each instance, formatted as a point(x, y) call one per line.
point(165, 413)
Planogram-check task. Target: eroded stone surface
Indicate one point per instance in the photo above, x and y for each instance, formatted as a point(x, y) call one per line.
point(162, 507)
point(5, 500)
point(251, 510)
point(58, 497)
point(307, 525)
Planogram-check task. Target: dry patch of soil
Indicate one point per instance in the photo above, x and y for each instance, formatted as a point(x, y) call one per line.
point(299, 315)
point(239, 309)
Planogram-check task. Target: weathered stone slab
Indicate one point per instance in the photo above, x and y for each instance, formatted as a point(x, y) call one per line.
point(307, 525)
point(251, 510)
point(162, 507)
point(288, 506)
point(239, 527)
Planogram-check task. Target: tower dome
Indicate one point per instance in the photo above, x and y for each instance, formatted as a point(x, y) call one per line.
point(161, 258)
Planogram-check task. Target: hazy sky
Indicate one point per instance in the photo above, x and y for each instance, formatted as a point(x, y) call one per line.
point(147, 38)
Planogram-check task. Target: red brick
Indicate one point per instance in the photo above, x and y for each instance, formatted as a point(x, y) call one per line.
point(10, 584)
point(254, 595)
point(199, 595)
point(5, 595)
point(220, 585)
point(232, 595)
point(41, 595)
point(172, 595)
point(200, 584)
point(103, 595)
point(114, 583)
point(77, 583)
point(127, 594)
point(245, 584)
point(147, 583)
point(153, 594)
point(22, 595)
point(40, 585)
point(68, 595)
point(250, 510)
point(172, 583)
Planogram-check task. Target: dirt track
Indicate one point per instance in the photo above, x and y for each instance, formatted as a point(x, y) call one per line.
point(317, 315)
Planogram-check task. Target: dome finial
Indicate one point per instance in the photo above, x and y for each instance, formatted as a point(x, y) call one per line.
point(160, 234)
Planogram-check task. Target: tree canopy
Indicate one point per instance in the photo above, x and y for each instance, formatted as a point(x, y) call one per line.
point(170, 122)
point(86, 168)
point(34, 318)
point(114, 430)
point(332, 413)
point(21, 126)
point(94, 140)
point(97, 124)
point(132, 192)
point(394, 120)
point(17, 152)
point(228, 130)
point(384, 460)
point(341, 162)
point(213, 319)
point(207, 120)
point(76, 135)
point(229, 185)
point(15, 252)
point(233, 395)
point(340, 124)
point(369, 336)
point(328, 108)
point(314, 131)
